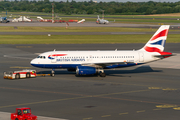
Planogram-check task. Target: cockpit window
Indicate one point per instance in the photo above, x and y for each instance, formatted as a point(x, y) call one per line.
point(42, 57)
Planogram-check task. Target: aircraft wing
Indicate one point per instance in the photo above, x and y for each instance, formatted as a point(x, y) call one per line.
point(102, 65)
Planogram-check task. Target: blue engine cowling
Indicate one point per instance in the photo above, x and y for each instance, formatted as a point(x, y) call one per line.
point(85, 70)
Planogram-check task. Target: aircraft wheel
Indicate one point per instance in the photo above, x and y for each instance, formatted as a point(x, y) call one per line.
point(102, 75)
point(52, 74)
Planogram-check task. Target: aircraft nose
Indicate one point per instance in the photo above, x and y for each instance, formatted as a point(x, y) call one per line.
point(33, 62)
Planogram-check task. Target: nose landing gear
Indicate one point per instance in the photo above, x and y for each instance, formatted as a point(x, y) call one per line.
point(53, 72)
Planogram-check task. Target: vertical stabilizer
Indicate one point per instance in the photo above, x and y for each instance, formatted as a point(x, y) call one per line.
point(157, 41)
point(98, 17)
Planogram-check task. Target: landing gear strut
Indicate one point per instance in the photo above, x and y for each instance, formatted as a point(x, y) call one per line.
point(52, 73)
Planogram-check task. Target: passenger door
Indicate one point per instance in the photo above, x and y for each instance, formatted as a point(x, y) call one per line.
point(141, 57)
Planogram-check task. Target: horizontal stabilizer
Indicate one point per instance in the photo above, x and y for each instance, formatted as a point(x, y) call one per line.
point(164, 55)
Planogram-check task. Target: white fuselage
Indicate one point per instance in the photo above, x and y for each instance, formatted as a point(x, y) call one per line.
point(107, 59)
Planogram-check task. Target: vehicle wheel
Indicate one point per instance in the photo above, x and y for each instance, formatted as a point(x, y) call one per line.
point(28, 75)
point(102, 75)
point(52, 74)
point(17, 76)
point(16, 119)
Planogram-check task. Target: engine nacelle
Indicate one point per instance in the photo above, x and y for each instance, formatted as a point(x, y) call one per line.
point(85, 70)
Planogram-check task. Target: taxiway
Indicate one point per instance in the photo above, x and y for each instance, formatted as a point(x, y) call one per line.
point(150, 91)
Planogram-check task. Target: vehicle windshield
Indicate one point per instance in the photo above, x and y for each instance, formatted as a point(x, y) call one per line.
point(26, 111)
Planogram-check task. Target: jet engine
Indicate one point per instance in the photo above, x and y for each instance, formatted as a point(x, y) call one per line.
point(85, 70)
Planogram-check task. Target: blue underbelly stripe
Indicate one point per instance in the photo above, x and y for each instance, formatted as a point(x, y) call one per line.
point(59, 66)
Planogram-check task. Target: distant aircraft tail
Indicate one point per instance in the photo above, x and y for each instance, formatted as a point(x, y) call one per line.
point(98, 17)
point(157, 41)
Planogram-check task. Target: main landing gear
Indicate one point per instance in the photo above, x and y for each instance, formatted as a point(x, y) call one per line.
point(101, 73)
point(53, 72)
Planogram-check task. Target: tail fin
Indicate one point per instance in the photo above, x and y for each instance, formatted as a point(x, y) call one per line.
point(157, 41)
point(98, 16)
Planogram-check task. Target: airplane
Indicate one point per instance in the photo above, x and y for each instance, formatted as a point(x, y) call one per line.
point(81, 21)
point(101, 21)
point(22, 19)
point(94, 62)
point(4, 20)
point(40, 19)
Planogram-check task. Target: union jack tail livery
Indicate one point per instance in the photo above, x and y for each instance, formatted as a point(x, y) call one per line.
point(158, 40)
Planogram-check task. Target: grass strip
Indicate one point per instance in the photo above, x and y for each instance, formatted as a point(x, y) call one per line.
point(76, 29)
point(80, 39)
point(73, 29)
